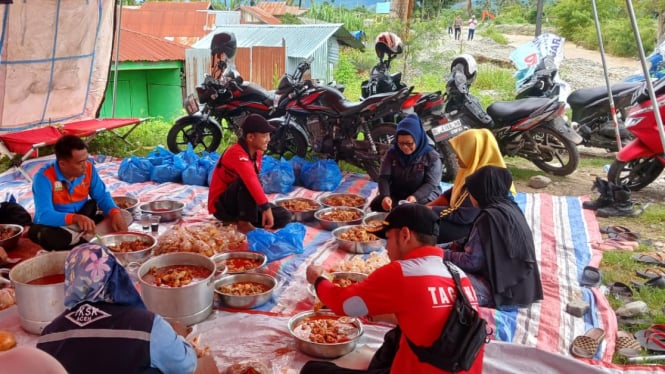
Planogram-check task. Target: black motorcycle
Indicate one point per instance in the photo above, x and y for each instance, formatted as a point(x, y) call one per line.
point(592, 117)
point(532, 128)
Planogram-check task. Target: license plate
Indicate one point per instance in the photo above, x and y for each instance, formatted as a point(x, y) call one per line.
point(447, 130)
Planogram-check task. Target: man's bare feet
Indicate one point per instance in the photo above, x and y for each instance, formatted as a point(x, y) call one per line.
point(245, 227)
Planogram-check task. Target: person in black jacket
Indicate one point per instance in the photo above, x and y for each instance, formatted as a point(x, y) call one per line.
point(410, 170)
point(499, 256)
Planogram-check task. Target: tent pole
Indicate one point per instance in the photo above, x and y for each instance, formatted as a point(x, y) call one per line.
point(645, 69)
point(115, 65)
point(613, 109)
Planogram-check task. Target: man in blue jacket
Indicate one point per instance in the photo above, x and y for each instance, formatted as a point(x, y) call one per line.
point(67, 193)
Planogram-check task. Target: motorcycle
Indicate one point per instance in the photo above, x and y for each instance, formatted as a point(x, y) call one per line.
point(532, 128)
point(591, 114)
point(337, 128)
point(230, 101)
point(428, 106)
point(642, 160)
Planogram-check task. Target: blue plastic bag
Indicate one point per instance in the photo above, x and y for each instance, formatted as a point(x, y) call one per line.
point(322, 175)
point(276, 175)
point(187, 157)
point(196, 174)
point(213, 157)
point(160, 155)
point(279, 244)
point(298, 163)
point(169, 171)
point(135, 170)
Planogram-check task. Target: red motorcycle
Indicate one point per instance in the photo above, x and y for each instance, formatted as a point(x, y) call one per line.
point(642, 160)
point(354, 132)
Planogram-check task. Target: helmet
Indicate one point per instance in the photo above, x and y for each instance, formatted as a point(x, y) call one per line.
point(224, 42)
point(470, 66)
point(388, 43)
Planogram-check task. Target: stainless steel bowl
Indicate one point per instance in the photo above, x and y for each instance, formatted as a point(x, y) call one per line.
point(332, 225)
point(169, 210)
point(322, 199)
point(222, 258)
point(374, 217)
point(245, 302)
point(12, 240)
point(350, 275)
point(301, 216)
point(322, 350)
point(127, 236)
point(352, 246)
point(126, 202)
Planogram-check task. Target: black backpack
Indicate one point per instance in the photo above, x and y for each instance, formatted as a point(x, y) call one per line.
point(461, 339)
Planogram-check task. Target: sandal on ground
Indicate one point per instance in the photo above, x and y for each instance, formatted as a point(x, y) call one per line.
point(620, 291)
point(591, 277)
point(651, 273)
point(620, 232)
point(615, 244)
point(627, 345)
point(653, 338)
point(656, 282)
point(651, 258)
point(586, 346)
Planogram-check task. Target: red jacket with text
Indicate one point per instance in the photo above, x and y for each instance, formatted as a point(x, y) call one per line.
point(419, 290)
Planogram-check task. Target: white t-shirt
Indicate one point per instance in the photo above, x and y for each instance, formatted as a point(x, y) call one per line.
point(472, 23)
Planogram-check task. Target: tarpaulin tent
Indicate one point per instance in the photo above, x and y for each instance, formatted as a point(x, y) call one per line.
point(54, 60)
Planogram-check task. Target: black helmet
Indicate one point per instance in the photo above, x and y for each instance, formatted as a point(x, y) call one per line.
point(388, 43)
point(224, 42)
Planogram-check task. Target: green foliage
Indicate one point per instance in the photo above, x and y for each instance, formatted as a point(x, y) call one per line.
point(351, 18)
point(493, 84)
point(290, 19)
point(491, 33)
point(512, 14)
point(574, 19)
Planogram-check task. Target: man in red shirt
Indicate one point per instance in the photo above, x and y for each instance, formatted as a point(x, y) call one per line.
point(235, 193)
point(415, 287)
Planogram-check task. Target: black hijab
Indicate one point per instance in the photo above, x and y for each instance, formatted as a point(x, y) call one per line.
point(506, 238)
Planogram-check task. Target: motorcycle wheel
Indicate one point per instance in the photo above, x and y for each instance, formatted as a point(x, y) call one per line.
point(383, 135)
point(449, 166)
point(635, 174)
point(287, 142)
point(204, 136)
point(556, 154)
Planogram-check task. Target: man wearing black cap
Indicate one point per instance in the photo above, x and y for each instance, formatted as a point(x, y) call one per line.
point(416, 287)
point(235, 192)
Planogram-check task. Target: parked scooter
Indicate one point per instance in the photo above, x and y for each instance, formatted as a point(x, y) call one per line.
point(428, 106)
point(331, 125)
point(642, 160)
point(592, 117)
point(532, 128)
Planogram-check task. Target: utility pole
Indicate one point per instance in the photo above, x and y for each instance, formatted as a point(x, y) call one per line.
point(539, 17)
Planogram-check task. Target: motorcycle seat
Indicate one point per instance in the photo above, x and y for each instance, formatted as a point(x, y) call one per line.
point(508, 112)
point(584, 96)
point(346, 108)
point(249, 88)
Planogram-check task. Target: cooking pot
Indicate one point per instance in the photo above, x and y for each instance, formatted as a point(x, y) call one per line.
point(188, 304)
point(38, 305)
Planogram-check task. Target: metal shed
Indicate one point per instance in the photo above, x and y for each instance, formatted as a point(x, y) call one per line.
point(321, 41)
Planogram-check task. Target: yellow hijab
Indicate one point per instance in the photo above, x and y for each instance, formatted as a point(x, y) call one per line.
point(475, 148)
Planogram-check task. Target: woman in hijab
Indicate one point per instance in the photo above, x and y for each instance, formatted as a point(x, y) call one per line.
point(499, 256)
point(410, 170)
point(474, 148)
point(106, 328)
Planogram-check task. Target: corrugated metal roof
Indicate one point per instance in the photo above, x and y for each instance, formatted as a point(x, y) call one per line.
point(169, 22)
point(261, 14)
point(135, 46)
point(279, 8)
point(301, 40)
point(179, 6)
